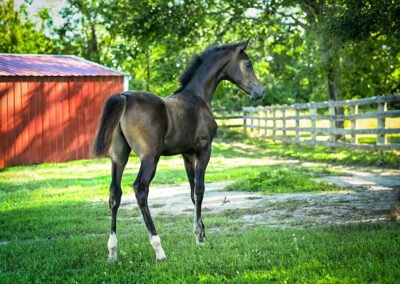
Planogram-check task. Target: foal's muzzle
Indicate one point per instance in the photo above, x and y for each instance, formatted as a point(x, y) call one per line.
point(257, 92)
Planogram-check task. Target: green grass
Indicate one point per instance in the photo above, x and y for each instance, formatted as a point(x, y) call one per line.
point(57, 190)
point(54, 225)
point(334, 156)
point(394, 138)
point(284, 180)
point(356, 254)
point(302, 152)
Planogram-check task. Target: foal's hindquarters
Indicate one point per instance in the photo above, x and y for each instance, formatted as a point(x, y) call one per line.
point(141, 127)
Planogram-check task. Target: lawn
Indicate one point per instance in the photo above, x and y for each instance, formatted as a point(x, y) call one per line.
point(54, 225)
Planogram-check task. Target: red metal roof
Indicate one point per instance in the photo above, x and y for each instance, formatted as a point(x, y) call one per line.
point(51, 65)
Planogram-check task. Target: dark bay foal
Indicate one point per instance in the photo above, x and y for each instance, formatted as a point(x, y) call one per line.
point(182, 123)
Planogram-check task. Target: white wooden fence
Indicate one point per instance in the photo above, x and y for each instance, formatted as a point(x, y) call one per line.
point(275, 122)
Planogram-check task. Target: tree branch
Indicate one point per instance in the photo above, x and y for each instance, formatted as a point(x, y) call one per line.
point(108, 46)
point(277, 22)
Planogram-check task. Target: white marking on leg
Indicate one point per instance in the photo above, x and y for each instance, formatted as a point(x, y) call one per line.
point(112, 247)
point(156, 244)
point(196, 232)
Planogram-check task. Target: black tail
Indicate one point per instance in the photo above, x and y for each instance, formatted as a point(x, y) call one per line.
point(113, 109)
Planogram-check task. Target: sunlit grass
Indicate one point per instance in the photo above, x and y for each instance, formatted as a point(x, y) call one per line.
point(282, 180)
point(302, 152)
point(231, 160)
point(54, 224)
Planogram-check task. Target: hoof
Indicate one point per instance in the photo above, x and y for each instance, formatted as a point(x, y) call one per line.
point(162, 258)
point(200, 240)
point(112, 247)
point(156, 244)
point(112, 258)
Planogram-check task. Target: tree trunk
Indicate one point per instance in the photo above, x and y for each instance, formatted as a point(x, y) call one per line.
point(331, 63)
point(93, 42)
point(147, 70)
point(335, 94)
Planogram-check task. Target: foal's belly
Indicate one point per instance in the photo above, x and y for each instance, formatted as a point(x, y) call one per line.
point(187, 138)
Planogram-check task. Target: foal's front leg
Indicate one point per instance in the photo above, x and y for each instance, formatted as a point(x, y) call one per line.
point(202, 159)
point(190, 167)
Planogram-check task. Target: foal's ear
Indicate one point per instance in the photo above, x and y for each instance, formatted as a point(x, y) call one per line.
point(244, 44)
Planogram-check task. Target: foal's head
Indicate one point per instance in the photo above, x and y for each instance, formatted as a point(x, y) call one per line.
point(240, 72)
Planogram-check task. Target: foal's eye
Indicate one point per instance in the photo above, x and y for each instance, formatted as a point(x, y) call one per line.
point(248, 65)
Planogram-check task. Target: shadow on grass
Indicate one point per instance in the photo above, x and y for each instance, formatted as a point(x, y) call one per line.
point(45, 220)
point(163, 176)
point(51, 183)
point(266, 148)
point(229, 140)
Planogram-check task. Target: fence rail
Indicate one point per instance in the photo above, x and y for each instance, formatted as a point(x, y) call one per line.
point(229, 118)
point(263, 122)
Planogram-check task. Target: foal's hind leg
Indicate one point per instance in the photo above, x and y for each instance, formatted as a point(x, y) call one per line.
point(141, 188)
point(202, 159)
point(119, 156)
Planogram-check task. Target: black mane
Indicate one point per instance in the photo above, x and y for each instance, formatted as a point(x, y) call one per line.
point(197, 60)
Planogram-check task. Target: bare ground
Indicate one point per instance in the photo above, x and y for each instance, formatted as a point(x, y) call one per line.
point(367, 196)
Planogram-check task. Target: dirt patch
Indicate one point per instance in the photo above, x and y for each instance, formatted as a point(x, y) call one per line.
point(367, 196)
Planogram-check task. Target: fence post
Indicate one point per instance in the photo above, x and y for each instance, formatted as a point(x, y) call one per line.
point(332, 124)
point(354, 111)
point(259, 122)
point(284, 125)
point(381, 138)
point(251, 122)
point(297, 126)
point(273, 124)
point(313, 124)
point(266, 123)
point(244, 122)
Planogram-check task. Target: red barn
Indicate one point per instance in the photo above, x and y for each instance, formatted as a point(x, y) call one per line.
point(50, 106)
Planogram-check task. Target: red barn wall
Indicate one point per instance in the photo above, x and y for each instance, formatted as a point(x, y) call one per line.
point(51, 119)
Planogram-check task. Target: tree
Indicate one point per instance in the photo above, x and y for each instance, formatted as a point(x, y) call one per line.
point(19, 34)
point(85, 32)
point(302, 50)
point(370, 35)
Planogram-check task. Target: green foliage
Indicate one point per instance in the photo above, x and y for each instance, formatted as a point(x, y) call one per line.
point(301, 51)
point(358, 20)
point(232, 134)
point(18, 33)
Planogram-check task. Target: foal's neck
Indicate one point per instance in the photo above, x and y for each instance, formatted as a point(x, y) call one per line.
point(208, 76)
